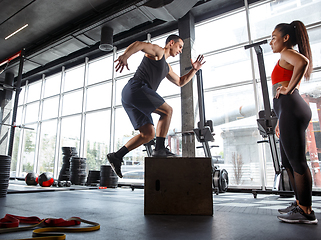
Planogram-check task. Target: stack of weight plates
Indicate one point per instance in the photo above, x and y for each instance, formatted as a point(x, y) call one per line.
point(67, 152)
point(5, 162)
point(107, 177)
point(78, 170)
point(93, 178)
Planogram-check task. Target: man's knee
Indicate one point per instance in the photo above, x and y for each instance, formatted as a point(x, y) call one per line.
point(148, 136)
point(168, 110)
point(147, 132)
point(165, 109)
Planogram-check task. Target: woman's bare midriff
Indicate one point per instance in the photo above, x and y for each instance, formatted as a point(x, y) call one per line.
point(279, 84)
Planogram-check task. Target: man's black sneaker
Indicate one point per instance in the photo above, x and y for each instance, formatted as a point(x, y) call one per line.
point(162, 153)
point(289, 208)
point(297, 215)
point(115, 163)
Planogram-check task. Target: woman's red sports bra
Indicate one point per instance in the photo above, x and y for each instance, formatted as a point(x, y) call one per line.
point(280, 74)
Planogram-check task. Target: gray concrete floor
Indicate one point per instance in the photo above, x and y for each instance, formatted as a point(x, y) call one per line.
point(120, 213)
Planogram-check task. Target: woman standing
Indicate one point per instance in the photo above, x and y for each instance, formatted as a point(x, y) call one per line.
point(294, 115)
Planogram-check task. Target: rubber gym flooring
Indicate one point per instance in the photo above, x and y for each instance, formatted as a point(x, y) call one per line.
point(120, 213)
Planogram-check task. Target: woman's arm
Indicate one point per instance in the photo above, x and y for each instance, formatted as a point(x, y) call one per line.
point(300, 65)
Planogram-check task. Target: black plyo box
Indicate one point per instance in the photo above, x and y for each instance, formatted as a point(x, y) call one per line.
point(178, 186)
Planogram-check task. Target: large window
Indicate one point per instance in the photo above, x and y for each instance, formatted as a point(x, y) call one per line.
point(263, 18)
point(97, 138)
point(47, 146)
point(230, 99)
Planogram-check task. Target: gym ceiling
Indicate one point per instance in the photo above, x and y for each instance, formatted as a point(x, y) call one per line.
point(63, 32)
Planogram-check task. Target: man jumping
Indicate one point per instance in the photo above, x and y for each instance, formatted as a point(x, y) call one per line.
point(139, 97)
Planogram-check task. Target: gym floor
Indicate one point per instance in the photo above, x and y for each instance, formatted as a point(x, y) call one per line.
point(120, 213)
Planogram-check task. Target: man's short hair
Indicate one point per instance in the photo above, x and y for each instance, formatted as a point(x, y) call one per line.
point(173, 37)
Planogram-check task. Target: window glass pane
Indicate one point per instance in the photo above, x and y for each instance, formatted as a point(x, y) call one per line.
point(74, 78)
point(229, 67)
point(19, 116)
point(100, 70)
point(21, 95)
point(97, 139)
point(5, 131)
point(161, 40)
point(15, 152)
point(5, 120)
point(167, 88)
point(207, 35)
point(315, 42)
point(99, 96)
point(133, 62)
point(270, 60)
point(28, 151)
point(70, 134)
point(123, 132)
point(50, 108)
point(265, 17)
point(47, 146)
point(52, 85)
point(72, 103)
point(233, 113)
point(311, 92)
point(119, 88)
point(34, 91)
point(32, 110)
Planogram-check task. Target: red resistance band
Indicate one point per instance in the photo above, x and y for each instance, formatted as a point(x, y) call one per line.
point(11, 221)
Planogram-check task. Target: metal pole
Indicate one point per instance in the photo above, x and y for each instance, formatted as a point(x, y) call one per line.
point(200, 98)
point(201, 108)
point(16, 100)
point(112, 109)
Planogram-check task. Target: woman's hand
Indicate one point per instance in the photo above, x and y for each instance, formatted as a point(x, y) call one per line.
point(122, 62)
point(281, 90)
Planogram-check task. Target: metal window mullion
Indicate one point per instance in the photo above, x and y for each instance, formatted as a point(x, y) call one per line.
point(23, 120)
point(58, 129)
point(83, 110)
point(55, 169)
point(113, 101)
point(99, 83)
point(98, 110)
point(37, 147)
point(38, 129)
point(21, 142)
point(20, 149)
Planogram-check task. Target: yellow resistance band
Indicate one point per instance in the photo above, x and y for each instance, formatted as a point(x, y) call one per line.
point(46, 233)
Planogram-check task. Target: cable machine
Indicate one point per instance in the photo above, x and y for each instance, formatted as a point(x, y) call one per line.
point(204, 134)
point(267, 122)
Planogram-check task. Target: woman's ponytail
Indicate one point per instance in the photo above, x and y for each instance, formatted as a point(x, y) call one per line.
point(298, 35)
point(301, 38)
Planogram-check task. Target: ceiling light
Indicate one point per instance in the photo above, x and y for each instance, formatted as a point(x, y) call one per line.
point(106, 39)
point(16, 31)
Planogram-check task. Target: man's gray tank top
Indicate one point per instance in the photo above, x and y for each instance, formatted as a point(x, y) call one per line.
point(151, 72)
